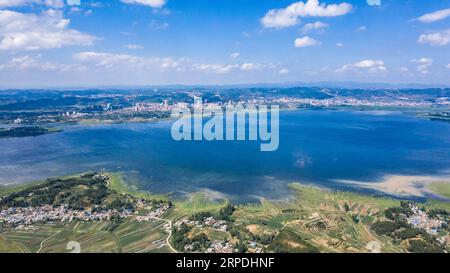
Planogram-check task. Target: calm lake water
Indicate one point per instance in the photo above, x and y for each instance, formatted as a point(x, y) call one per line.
point(315, 147)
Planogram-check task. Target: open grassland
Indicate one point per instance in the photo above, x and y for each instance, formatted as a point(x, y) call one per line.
point(213, 234)
point(199, 202)
point(16, 188)
point(440, 188)
point(6, 190)
point(117, 184)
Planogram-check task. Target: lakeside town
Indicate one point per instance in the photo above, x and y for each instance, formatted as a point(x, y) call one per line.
point(18, 216)
point(420, 219)
point(146, 105)
point(48, 214)
point(39, 208)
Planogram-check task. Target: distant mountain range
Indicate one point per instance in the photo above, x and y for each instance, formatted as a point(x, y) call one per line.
point(350, 85)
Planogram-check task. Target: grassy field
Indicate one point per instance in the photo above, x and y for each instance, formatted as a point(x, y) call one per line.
point(198, 202)
point(440, 188)
point(5, 190)
point(15, 188)
point(117, 184)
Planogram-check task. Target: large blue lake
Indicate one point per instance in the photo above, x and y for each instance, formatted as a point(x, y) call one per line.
point(316, 147)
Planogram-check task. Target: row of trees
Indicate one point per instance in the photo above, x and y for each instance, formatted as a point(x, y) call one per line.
point(223, 214)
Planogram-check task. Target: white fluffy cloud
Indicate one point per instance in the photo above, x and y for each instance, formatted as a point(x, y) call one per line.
point(434, 16)
point(448, 66)
point(20, 3)
point(111, 60)
point(150, 3)
point(441, 38)
point(314, 26)
point(374, 2)
point(364, 65)
point(423, 65)
point(215, 68)
point(27, 62)
point(251, 66)
point(103, 62)
point(228, 68)
point(306, 41)
point(361, 29)
point(134, 47)
point(289, 16)
point(283, 71)
point(106, 61)
point(235, 55)
point(155, 25)
point(28, 31)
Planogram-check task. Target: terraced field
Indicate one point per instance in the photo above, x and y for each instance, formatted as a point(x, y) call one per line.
point(129, 236)
point(320, 220)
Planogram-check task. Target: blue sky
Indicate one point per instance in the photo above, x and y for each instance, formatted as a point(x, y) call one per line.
point(156, 42)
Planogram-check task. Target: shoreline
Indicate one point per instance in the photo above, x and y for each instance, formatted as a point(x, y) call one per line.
point(356, 109)
point(404, 186)
point(398, 187)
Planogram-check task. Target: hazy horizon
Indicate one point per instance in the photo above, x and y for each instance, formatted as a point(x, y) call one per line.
point(343, 84)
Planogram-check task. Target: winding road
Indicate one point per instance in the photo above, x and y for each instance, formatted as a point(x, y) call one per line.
point(170, 233)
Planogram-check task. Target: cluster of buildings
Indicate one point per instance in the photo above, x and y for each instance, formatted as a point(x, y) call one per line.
point(220, 247)
point(217, 224)
point(149, 107)
point(73, 114)
point(286, 102)
point(207, 222)
point(349, 101)
point(168, 107)
point(420, 219)
point(156, 213)
point(254, 248)
point(47, 213)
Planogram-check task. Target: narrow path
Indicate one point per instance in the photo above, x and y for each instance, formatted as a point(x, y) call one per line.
point(43, 241)
point(76, 225)
point(108, 183)
point(170, 233)
point(284, 225)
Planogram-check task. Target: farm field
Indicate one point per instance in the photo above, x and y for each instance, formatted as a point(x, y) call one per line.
point(130, 236)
